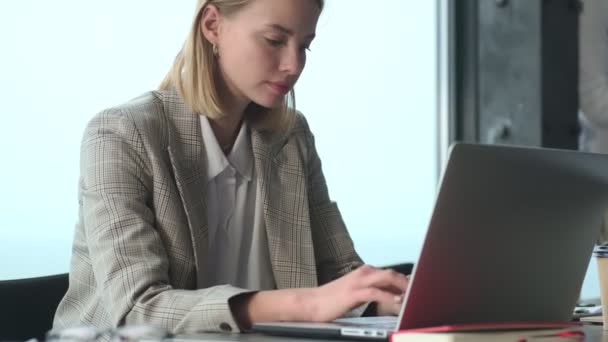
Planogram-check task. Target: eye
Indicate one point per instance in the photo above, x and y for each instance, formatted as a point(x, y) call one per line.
point(274, 42)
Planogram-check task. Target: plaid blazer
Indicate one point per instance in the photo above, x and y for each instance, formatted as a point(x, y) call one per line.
point(142, 220)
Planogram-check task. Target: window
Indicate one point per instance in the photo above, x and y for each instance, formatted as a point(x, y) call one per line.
point(62, 62)
point(368, 91)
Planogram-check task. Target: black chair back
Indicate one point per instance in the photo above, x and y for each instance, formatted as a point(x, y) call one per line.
point(29, 305)
point(405, 268)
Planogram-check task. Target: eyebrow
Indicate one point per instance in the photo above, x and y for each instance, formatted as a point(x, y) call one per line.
point(286, 30)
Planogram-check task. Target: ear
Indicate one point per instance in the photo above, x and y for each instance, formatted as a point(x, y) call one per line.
point(210, 23)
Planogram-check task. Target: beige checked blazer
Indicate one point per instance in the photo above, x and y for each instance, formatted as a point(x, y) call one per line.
point(142, 220)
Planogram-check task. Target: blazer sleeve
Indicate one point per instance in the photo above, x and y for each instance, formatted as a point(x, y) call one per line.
point(128, 258)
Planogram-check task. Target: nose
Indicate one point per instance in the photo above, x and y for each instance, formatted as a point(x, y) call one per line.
point(293, 61)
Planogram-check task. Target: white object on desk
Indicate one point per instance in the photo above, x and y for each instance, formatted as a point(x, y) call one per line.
point(584, 311)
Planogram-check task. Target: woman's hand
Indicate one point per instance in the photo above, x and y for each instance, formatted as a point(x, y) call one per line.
point(391, 308)
point(327, 302)
point(365, 284)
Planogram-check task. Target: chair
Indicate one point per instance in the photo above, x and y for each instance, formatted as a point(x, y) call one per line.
point(405, 268)
point(28, 306)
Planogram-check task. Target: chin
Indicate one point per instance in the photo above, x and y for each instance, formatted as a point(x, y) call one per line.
point(270, 102)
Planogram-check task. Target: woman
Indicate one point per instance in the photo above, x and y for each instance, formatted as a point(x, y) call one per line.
point(203, 205)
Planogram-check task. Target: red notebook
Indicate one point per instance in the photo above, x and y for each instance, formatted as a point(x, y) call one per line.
point(496, 326)
point(495, 331)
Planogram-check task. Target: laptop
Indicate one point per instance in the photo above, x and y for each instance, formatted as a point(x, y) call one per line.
point(510, 239)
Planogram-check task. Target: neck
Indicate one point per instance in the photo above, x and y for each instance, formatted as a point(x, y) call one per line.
point(233, 102)
point(226, 130)
point(227, 127)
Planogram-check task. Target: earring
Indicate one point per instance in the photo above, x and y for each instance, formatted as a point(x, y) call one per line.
point(214, 49)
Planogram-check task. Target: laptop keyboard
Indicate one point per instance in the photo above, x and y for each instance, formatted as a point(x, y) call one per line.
point(379, 322)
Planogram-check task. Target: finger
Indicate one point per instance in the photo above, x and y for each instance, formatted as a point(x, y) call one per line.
point(388, 280)
point(407, 279)
point(399, 289)
point(385, 279)
point(374, 294)
point(390, 308)
point(396, 308)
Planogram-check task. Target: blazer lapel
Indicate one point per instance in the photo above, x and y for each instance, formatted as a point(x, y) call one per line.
point(285, 215)
point(188, 162)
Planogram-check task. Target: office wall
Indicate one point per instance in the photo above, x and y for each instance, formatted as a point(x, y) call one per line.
point(368, 92)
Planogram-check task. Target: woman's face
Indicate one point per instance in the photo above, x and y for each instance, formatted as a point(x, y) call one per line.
point(262, 48)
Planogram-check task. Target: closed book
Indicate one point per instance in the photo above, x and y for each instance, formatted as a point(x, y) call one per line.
point(499, 332)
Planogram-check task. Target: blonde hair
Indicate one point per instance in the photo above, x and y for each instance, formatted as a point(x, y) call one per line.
point(194, 70)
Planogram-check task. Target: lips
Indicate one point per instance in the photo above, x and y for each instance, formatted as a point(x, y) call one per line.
point(280, 87)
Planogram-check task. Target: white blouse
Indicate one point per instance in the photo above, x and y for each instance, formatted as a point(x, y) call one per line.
point(238, 246)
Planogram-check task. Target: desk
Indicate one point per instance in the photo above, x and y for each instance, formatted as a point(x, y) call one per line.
point(593, 333)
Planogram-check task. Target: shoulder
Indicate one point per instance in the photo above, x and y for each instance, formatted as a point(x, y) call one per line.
point(300, 126)
point(300, 137)
point(143, 115)
point(300, 132)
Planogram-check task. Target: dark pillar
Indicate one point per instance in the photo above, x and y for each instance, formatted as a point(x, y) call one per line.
point(516, 72)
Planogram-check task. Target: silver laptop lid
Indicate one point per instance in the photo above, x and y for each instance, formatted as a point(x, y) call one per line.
point(510, 237)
